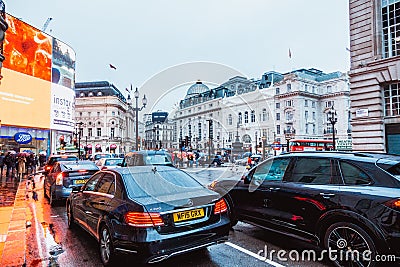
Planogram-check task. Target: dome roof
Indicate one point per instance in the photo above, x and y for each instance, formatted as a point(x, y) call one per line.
point(196, 89)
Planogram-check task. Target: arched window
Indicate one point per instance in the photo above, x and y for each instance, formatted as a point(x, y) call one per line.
point(230, 119)
point(246, 117)
point(240, 118)
point(253, 116)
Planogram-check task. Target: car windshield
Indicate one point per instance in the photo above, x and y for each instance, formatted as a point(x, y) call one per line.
point(159, 183)
point(113, 162)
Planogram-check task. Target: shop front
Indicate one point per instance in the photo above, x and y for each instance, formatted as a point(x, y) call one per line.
point(20, 139)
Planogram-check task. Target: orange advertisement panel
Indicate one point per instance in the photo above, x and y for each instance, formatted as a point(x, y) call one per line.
point(27, 49)
point(24, 100)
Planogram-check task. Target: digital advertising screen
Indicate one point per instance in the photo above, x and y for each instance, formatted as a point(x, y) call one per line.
point(37, 88)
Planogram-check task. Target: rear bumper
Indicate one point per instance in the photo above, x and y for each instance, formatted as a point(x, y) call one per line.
point(61, 192)
point(165, 246)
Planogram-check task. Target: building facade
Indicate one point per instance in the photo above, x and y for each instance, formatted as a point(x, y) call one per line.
point(375, 75)
point(106, 118)
point(265, 111)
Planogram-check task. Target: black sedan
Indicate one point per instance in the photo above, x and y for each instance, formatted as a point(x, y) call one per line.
point(345, 202)
point(64, 175)
point(152, 212)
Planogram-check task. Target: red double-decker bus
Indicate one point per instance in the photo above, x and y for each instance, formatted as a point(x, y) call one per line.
point(310, 145)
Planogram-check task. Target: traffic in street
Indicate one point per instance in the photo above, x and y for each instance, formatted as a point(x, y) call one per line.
point(51, 243)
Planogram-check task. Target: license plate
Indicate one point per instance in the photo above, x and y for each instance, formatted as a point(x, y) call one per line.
point(80, 181)
point(188, 215)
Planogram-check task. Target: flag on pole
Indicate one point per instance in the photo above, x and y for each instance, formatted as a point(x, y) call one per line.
point(290, 53)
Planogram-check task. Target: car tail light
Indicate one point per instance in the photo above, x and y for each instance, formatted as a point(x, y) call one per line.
point(394, 204)
point(220, 206)
point(47, 168)
point(60, 177)
point(143, 219)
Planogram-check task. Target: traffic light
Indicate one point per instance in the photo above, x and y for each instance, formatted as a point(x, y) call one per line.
point(3, 29)
point(186, 141)
point(210, 129)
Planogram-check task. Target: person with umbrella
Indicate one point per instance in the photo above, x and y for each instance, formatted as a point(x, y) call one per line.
point(21, 165)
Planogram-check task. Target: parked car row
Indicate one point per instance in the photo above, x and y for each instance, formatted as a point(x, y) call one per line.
point(143, 205)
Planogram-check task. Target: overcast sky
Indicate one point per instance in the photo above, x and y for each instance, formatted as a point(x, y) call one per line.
point(144, 38)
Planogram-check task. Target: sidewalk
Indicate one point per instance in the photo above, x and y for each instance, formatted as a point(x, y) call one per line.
point(12, 222)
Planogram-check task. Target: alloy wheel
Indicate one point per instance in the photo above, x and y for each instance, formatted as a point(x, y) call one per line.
point(353, 246)
point(106, 246)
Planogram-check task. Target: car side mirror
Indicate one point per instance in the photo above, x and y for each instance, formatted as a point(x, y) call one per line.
point(247, 179)
point(119, 164)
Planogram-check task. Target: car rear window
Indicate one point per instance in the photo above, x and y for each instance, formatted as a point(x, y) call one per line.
point(159, 183)
point(392, 167)
point(81, 166)
point(112, 162)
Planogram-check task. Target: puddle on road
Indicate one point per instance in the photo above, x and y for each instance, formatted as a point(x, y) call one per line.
point(53, 248)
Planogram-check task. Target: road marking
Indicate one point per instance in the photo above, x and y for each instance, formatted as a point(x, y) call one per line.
point(258, 257)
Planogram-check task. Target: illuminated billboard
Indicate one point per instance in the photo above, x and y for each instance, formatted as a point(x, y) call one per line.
point(38, 79)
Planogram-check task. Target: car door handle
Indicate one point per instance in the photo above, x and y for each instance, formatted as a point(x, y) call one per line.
point(327, 195)
point(88, 212)
point(274, 189)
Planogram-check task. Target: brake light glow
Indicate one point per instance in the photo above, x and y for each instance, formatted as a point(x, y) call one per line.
point(143, 219)
point(394, 204)
point(59, 179)
point(220, 206)
point(48, 168)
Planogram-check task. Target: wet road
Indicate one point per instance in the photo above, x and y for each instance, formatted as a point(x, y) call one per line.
point(51, 243)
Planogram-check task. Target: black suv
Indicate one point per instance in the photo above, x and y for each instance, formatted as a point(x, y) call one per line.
point(341, 201)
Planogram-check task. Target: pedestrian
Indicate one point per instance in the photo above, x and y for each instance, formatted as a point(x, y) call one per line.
point(8, 161)
point(249, 161)
point(190, 159)
point(21, 166)
point(1, 164)
point(196, 157)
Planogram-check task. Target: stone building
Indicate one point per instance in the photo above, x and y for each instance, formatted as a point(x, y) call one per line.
point(375, 74)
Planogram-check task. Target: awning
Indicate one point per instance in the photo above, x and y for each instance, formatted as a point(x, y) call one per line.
point(113, 146)
point(89, 146)
point(98, 146)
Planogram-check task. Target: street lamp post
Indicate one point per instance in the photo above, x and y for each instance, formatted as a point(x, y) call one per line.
point(332, 117)
point(79, 138)
point(137, 109)
point(263, 138)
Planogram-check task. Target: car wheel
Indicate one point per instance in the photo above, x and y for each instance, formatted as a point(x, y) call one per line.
point(70, 216)
point(107, 254)
point(354, 246)
point(231, 213)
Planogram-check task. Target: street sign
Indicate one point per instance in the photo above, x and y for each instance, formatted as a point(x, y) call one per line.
point(276, 145)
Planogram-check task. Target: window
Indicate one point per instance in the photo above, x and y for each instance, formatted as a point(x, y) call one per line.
point(278, 116)
point(240, 118)
point(353, 175)
point(313, 104)
point(277, 105)
point(329, 89)
point(230, 119)
point(305, 102)
point(113, 113)
point(106, 185)
point(278, 129)
point(390, 28)
point(277, 91)
point(91, 184)
point(253, 116)
point(289, 103)
point(98, 113)
point(329, 104)
point(289, 88)
point(264, 114)
point(306, 87)
point(391, 95)
point(90, 132)
point(313, 115)
point(306, 115)
point(112, 132)
point(98, 132)
point(271, 170)
point(246, 117)
point(289, 116)
point(311, 171)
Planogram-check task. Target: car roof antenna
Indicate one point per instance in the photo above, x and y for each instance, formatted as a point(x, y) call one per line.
point(154, 169)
